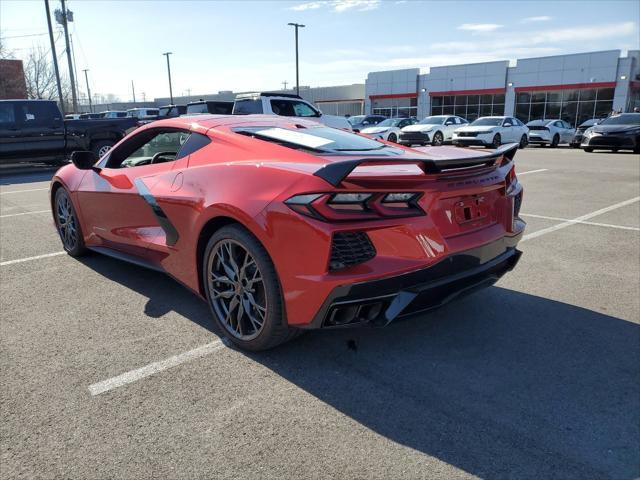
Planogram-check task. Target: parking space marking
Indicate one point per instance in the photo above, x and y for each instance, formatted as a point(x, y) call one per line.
point(595, 224)
point(532, 171)
point(21, 191)
point(24, 213)
point(29, 259)
point(580, 219)
point(153, 368)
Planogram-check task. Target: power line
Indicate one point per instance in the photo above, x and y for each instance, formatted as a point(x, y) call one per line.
point(23, 36)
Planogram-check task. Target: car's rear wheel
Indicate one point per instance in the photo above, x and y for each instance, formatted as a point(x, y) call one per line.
point(392, 138)
point(438, 139)
point(101, 148)
point(524, 141)
point(555, 141)
point(243, 290)
point(68, 224)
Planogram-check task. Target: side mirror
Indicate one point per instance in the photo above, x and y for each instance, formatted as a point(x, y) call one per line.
point(83, 160)
point(507, 125)
point(448, 123)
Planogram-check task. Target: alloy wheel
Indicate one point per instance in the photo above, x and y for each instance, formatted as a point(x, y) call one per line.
point(236, 289)
point(437, 139)
point(67, 223)
point(103, 150)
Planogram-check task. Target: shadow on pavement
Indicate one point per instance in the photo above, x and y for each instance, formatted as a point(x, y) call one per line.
point(500, 384)
point(26, 174)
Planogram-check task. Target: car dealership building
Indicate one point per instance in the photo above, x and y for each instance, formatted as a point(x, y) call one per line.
point(572, 87)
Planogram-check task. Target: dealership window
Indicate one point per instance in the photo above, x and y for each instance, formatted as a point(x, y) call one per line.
point(573, 106)
point(395, 107)
point(468, 106)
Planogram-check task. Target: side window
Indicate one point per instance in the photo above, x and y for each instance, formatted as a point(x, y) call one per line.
point(404, 123)
point(197, 108)
point(288, 108)
point(7, 115)
point(247, 107)
point(39, 114)
point(450, 120)
point(149, 146)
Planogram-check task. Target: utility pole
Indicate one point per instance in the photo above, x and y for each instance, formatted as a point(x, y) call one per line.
point(297, 25)
point(75, 67)
point(166, 54)
point(55, 56)
point(133, 89)
point(86, 79)
point(284, 84)
point(71, 77)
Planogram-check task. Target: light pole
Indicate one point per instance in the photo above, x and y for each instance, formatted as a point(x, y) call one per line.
point(86, 79)
point(55, 57)
point(166, 54)
point(297, 26)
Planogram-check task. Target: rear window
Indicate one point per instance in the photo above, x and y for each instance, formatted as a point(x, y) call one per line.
point(319, 139)
point(197, 108)
point(247, 107)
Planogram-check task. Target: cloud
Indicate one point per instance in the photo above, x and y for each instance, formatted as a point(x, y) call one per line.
point(338, 6)
point(541, 18)
point(479, 27)
point(301, 7)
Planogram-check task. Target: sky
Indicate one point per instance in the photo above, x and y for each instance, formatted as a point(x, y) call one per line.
point(247, 45)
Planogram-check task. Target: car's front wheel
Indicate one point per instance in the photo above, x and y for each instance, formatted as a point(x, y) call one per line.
point(497, 141)
point(243, 290)
point(67, 224)
point(588, 149)
point(438, 139)
point(392, 138)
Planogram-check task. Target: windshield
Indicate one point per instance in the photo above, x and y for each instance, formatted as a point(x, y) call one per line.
point(625, 119)
point(319, 139)
point(488, 121)
point(432, 121)
point(390, 122)
point(355, 119)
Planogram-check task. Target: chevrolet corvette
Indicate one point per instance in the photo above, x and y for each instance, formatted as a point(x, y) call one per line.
point(283, 225)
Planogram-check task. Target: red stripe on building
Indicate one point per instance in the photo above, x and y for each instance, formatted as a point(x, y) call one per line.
point(484, 91)
point(393, 95)
point(340, 101)
point(569, 86)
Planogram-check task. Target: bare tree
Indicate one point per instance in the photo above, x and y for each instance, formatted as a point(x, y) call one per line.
point(40, 75)
point(5, 53)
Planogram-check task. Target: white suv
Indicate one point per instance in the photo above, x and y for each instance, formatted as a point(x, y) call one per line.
point(285, 105)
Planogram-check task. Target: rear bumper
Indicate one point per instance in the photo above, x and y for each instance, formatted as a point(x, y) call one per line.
point(379, 302)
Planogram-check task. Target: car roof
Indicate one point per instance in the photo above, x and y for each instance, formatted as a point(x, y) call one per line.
point(205, 121)
point(543, 121)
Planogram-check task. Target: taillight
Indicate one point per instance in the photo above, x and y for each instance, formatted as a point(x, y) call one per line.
point(350, 206)
point(511, 179)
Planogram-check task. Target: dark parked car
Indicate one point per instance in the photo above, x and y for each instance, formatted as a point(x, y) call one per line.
point(358, 122)
point(618, 132)
point(208, 106)
point(577, 138)
point(171, 111)
point(89, 116)
point(35, 131)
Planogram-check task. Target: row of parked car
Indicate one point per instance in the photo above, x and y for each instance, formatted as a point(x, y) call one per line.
point(617, 132)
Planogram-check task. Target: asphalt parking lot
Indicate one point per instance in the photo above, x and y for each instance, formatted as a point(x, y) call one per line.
point(112, 371)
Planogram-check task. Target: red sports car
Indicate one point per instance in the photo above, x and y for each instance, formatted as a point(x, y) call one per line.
point(284, 224)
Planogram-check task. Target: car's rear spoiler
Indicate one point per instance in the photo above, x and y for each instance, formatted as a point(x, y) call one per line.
point(335, 173)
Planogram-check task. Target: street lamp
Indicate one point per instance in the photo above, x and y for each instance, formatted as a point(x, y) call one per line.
point(297, 25)
point(166, 54)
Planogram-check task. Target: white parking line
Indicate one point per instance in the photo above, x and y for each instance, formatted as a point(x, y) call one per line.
point(24, 213)
point(153, 368)
point(21, 191)
point(568, 223)
point(532, 171)
point(28, 259)
point(595, 224)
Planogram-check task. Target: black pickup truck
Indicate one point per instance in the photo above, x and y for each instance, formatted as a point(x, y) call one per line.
point(35, 131)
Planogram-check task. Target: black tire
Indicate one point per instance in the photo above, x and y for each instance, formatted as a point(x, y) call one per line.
point(524, 141)
point(614, 150)
point(588, 149)
point(497, 141)
point(555, 141)
point(68, 224)
point(437, 140)
point(574, 145)
point(392, 138)
point(102, 147)
point(274, 329)
point(56, 163)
